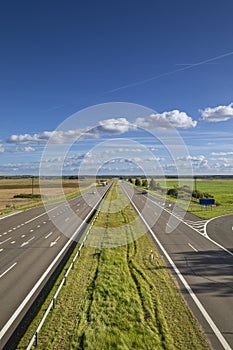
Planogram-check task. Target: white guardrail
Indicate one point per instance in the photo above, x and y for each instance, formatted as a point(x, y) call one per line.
point(52, 303)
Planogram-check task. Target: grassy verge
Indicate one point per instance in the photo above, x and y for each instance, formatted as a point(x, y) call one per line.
point(117, 298)
point(221, 189)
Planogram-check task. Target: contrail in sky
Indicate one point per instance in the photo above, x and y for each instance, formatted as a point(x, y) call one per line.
point(171, 72)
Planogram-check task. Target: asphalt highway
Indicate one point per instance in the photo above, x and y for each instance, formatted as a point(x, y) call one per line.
point(202, 268)
point(31, 247)
point(220, 229)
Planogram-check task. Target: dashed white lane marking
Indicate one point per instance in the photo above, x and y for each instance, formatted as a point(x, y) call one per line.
point(13, 242)
point(4, 233)
point(6, 240)
point(38, 226)
point(9, 230)
point(36, 217)
point(49, 234)
point(31, 230)
point(1, 250)
point(44, 222)
point(191, 246)
point(9, 268)
point(23, 236)
point(67, 219)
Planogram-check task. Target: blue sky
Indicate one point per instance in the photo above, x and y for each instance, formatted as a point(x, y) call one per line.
point(173, 57)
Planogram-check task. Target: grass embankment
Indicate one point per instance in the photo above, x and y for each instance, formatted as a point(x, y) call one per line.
point(117, 298)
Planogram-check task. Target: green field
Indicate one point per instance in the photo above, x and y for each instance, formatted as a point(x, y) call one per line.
point(220, 188)
point(118, 298)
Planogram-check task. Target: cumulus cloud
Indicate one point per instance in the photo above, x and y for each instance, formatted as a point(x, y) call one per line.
point(4, 149)
point(175, 119)
point(114, 126)
point(199, 161)
point(217, 114)
point(44, 137)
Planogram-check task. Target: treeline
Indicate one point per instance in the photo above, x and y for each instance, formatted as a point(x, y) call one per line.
point(175, 191)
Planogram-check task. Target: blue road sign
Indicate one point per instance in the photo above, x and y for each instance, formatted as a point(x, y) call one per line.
point(206, 201)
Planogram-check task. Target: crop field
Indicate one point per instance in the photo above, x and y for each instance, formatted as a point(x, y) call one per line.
point(12, 187)
point(118, 298)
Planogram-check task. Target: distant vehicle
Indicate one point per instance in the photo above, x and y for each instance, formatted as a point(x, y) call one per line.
point(144, 192)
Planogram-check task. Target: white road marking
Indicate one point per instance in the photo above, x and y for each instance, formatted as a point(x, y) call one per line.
point(31, 230)
point(38, 226)
point(55, 242)
point(215, 329)
point(36, 217)
point(9, 268)
point(23, 236)
point(1, 249)
point(27, 242)
point(192, 247)
point(44, 222)
point(13, 242)
point(5, 240)
point(5, 233)
point(49, 234)
point(67, 219)
point(40, 280)
point(9, 230)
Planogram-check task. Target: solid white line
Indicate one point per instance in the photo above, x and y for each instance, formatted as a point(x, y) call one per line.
point(217, 244)
point(215, 329)
point(9, 268)
point(205, 235)
point(41, 279)
point(8, 215)
point(36, 217)
point(5, 240)
point(192, 247)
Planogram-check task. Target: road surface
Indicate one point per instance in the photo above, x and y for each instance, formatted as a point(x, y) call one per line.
point(31, 247)
point(200, 264)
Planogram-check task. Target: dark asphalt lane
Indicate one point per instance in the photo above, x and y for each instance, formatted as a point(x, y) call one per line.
point(207, 269)
point(221, 230)
point(29, 244)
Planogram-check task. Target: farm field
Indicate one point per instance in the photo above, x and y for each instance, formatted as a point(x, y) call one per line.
point(118, 298)
point(17, 186)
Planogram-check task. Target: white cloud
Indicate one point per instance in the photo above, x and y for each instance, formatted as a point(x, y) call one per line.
point(222, 154)
point(217, 114)
point(113, 126)
point(175, 119)
point(199, 161)
point(2, 149)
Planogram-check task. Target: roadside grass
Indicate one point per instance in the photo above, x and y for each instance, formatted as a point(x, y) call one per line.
point(118, 298)
point(220, 188)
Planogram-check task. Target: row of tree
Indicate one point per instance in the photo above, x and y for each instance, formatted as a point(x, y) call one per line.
point(183, 191)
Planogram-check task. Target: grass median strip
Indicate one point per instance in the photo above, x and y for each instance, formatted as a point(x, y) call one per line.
point(116, 297)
